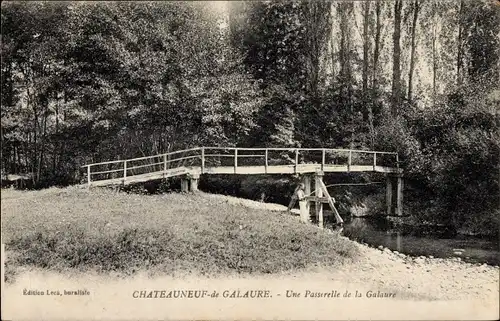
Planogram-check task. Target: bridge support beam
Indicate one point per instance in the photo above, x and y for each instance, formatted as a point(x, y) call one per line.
point(307, 190)
point(399, 196)
point(194, 183)
point(388, 194)
point(396, 209)
point(184, 185)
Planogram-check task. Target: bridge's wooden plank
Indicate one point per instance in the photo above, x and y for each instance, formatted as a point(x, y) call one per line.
point(243, 170)
point(148, 176)
point(383, 169)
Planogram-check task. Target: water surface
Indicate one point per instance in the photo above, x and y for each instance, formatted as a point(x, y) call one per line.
point(468, 248)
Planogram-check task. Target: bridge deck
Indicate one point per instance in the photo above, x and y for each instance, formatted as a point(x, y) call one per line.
point(197, 161)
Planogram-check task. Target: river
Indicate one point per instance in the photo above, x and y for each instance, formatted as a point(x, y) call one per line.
point(468, 248)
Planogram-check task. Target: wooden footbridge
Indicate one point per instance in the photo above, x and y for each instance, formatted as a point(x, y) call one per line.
point(307, 162)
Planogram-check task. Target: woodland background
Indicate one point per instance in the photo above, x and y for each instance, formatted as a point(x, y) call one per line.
point(86, 82)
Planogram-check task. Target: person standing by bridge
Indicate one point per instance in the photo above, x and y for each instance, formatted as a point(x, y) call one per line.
point(299, 195)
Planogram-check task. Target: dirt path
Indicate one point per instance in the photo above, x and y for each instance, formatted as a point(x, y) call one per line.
point(451, 291)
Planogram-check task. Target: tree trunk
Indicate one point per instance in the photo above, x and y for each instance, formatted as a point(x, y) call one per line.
point(366, 48)
point(332, 48)
point(56, 147)
point(376, 52)
point(460, 40)
point(318, 26)
point(396, 66)
point(366, 43)
point(434, 65)
point(413, 47)
point(345, 10)
point(43, 137)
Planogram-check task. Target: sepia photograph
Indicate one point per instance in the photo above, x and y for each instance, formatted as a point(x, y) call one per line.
point(250, 160)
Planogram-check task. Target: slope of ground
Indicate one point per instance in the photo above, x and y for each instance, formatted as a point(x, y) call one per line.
point(103, 230)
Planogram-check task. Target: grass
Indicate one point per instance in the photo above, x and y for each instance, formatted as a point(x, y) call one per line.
point(172, 234)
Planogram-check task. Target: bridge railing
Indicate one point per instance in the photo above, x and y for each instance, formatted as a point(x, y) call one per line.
point(122, 169)
point(206, 157)
point(237, 157)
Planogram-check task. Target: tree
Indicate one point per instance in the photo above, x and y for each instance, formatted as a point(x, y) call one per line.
point(366, 44)
point(317, 20)
point(460, 43)
point(273, 44)
point(376, 50)
point(416, 9)
point(482, 40)
point(396, 63)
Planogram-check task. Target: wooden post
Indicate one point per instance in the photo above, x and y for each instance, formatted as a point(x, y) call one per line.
point(124, 171)
point(388, 194)
point(88, 175)
point(235, 160)
point(184, 185)
point(164, 163)
point(323, 160)
point(307, 191)
point(194, 183)
point(266, 159)
point(349, 160)
point(399, 196)
point(374, 160)
point(338, 218)
point(296, 159)
point(202, 160)
point(319, 193)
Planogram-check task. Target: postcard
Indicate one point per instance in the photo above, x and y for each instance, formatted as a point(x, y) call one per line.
point(244, 160)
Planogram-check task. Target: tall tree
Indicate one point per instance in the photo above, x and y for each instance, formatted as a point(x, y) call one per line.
point(376, 50)
point(434, 54)
point(366, 44)
point(482, 40)
point(460, 42)
point(346, 70)
point(416, 9)
point(396, 57)
point(317, 29)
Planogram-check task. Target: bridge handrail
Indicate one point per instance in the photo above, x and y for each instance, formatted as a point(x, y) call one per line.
point(303, 149)
point(204, 156)
point(142, 158)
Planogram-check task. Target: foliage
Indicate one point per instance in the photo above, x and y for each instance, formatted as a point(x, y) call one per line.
point(451, 154)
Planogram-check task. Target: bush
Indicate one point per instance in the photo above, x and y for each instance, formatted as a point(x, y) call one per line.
point(450, 156)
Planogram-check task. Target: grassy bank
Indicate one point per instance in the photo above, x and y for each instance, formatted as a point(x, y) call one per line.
point(102, 230)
